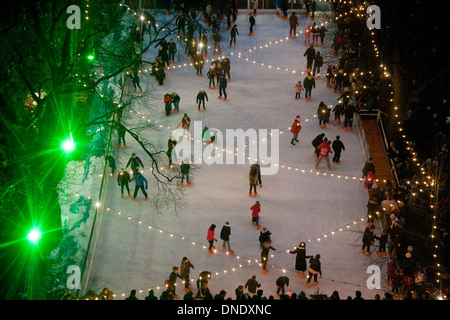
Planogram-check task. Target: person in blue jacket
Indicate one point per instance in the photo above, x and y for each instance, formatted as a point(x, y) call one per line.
point(140, 183)
point(222, 86)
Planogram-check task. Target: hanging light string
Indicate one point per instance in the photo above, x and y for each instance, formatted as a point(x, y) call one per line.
point(281, 165)
point(204, 246)
point(428, 183)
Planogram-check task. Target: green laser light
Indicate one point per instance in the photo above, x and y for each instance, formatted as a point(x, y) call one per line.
point(34, 235)
point(68, 145)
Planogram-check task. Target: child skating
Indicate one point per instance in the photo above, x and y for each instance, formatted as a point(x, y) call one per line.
point(298, 89)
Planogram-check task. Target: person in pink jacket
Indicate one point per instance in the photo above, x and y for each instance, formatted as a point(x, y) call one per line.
point(307, 33)
point(211, 239)
point(324, 149)
point(298, 89)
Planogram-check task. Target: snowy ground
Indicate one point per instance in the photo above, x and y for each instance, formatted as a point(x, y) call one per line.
point(296, 206)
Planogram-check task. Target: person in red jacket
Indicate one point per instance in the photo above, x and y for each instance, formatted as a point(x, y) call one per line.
point(295, 129)
point(324, 150)
point(211, 239)
point(168, 104)
point(256, 209)
point(370, 180)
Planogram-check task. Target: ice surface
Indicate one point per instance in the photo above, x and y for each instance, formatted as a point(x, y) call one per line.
point(296, 206)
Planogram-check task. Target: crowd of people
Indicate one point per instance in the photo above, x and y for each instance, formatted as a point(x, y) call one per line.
point(386, 207)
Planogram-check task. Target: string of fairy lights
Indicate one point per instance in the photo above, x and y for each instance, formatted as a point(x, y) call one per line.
point(281, 165)
point(428, 184)
point(242, 261)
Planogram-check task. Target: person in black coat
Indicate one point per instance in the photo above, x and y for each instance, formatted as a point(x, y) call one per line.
point(281, 283)
point(135, 162)
point(201, 96)
point(234, 31)
point(310, 54)
point(122, 180)
point(382, 240)
point(337, 146)
point(368, 238)
point(316, 142)
point(300, 259)
point(203, 279)
point(264, 236)
point(132, 295)
point(265, 255)
point(318, 62)
point(185, 269)
point(314, 269)
point(225, 236)
point(151, 295)
point(171, 281)
point(172, 49)
point(252, 22)
point(348, 116)
point(121, 135)
point(221, 295)
point(309, 83)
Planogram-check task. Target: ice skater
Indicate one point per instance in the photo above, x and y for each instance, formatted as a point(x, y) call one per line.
point(308, 83)
point(123, 178)
point(141, 182)
point(315, 143)
point(310, 54)
point(314, 270)
point(307, 33)
point(253, 180)
point(171, 281)
point(135, 163)
point(368, 239)
point(300, 259)
point(337, 146)
point(210, 238)
point(282, 284)
point(168, 104)
point(185, 122)
point(185, 167)
point(298, 89)
point(222, 87)
point(201, 96)
point(185, 269)
point(233, 33)
point(252, 23)
point(325, 149)
point(211, 74)
point(265, 256)
point(256, 209)
point(225, 236)
point(112, 164)
point(295, 129)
